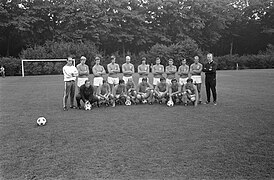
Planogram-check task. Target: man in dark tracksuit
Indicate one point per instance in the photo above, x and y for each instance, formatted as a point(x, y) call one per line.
point(210, 78)
point(86, 93)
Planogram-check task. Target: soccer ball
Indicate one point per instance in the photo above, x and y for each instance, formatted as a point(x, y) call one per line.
point(144, 101)
point(170, 103)
point(192, 97)
point(87, 106)
point(41, 121)
point(128, 102)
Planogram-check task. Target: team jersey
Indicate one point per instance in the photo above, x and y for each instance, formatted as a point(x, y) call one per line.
point(143, 87)
point(130, 85)
point(96, 69)
point(104, 89)
point(190, 87)
point(142, 68)
point(120, 89)
point(197, 67)
point(170, 71)
point(162, 87)
point(128, 67)
point(83, 70)
point(174, 88)
point(183, 71)
point(113, 67)
point(67, 71)
point(158, 70)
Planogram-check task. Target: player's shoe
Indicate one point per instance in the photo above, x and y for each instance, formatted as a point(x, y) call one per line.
point(207, 102)
point(65, 108)
point(215, 103)
point(72, 107)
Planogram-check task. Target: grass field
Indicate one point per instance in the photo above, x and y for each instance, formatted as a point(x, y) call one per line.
point(233, 140)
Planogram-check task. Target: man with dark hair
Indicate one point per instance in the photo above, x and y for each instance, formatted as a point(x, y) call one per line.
point(104, 93)
point(119, 93)
point(145, 91)
point(190, 93)
point(210, 78)
point(86, 93)
point(175, 91)
point(161, 91)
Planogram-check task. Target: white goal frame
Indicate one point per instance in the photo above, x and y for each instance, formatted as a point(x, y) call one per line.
point(40, 60)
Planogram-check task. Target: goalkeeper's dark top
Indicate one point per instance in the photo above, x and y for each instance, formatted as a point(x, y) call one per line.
point(86, 92)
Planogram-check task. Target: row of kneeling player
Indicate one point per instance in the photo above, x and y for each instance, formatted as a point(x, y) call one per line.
point(128, 93)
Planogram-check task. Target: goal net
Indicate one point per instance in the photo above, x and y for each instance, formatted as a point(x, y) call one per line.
point(43, 66)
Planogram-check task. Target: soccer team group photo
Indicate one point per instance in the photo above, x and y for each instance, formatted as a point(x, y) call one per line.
point(108, 89)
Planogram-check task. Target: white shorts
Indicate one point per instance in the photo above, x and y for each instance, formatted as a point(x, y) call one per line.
point(168, 81)
point(196, 79)
point(127, 78)
point(97, 81)
point(81, 81)
point(112, 80)
point(156, 81)
point(182, 80)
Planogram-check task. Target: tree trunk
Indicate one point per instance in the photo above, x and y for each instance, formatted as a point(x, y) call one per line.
point(231, 48)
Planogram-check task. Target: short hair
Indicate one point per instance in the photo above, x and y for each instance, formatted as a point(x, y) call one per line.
point(121, 81)
point(158, 58)
point(189, 80)
point(174, 80)
point(184, 59)
point(144, 58)
point(97, 58)
point(87, 81)
point(83, 58)
point(170, 60)
point(210, 54)
point(144, 79)
point(69, 58)
point(112, 57)
point(162, 78)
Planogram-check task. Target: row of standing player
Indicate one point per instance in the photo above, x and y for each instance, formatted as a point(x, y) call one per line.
point(184, 71)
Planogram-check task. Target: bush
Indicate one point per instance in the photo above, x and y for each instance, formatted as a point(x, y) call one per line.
point(12, 66)
point(185, 49)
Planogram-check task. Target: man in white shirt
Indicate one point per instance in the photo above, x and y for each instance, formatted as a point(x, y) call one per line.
point(127, 69)
point(83, 71)
point(70, 73)
point(143, 70)
point(98, 72)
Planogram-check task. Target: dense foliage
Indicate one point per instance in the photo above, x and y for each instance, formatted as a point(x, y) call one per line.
point(134, 26)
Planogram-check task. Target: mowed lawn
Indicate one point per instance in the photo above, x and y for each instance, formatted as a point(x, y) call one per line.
point(233, 140)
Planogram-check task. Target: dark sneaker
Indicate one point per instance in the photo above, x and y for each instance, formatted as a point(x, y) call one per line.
point(207, 102)
point(79, 107)
point(215, 103)
point(65, 108)
point(72, 107)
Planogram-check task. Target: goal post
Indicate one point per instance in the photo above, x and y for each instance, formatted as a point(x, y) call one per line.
point(40, 60)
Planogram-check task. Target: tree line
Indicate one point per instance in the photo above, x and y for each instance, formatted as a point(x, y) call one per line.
point(135, 26)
